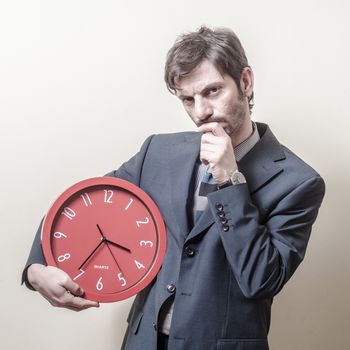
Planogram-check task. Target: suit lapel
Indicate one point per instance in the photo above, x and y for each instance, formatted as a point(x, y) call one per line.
point(184, 155)
point(206, 219)
point(260, 165)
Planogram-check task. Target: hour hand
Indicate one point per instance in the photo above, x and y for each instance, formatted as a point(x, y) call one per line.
point(118, 245)
point(111, 242)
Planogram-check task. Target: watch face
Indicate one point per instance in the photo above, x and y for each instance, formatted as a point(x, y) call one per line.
point(108, 235)
point(238, 178)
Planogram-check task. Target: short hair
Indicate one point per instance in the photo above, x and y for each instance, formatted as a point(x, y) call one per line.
point(220, 46)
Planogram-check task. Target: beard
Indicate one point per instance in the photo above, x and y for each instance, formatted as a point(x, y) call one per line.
point(232, 120)
point(236, 119)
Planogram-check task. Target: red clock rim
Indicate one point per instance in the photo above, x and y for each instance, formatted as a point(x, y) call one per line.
point(138, 192)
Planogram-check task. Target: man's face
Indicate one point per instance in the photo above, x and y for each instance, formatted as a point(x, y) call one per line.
point(208, 96)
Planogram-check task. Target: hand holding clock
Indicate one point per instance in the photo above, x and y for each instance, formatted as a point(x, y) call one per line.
point(58, 288)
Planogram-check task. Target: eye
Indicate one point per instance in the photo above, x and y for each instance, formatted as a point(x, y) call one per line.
point(187, 101)
point(214, 90)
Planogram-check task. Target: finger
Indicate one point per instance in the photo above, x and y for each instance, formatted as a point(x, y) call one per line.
point(63, 304)
point(59, 302)
point(69, 307)
point(209, 148)
point(73, 308)
point(213, 127)
point(204, 161)
point(210, 138)
point(69, 300)
point(73, 287)
point(207, 157)
point(83, 304)
point(215, 148)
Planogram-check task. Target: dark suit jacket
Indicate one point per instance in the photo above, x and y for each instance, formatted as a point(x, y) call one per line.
point(224, 291)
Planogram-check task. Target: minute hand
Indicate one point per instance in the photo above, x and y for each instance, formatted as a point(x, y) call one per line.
point(102, 241)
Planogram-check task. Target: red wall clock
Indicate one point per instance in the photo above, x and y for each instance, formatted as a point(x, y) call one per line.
point(108, 235)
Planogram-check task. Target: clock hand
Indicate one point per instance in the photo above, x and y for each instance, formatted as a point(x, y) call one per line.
point(101, 233)
point(114, 257)
point(118, 245)
point(104, 239)
point(109, 241)
point(92, 253)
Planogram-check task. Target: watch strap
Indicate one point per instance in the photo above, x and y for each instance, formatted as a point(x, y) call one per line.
point(224, 184)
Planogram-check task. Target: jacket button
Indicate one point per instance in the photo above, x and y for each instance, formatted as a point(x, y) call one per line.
point(171, 288)
point(154, 325)
point(223, 220)
point(189, 251)
point(221, 214)
point(225, 227)
point(219, 206)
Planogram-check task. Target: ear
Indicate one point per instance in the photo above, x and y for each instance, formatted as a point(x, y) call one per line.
point(247, 81)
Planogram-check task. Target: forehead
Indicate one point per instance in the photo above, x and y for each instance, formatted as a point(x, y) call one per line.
point(203, 75)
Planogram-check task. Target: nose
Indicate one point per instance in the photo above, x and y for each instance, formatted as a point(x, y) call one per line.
point(203, 110)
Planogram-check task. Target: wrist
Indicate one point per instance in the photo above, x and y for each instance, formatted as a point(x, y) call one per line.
point(236, 178)
point(225, 175)
point(224, 184)
point(32, 271)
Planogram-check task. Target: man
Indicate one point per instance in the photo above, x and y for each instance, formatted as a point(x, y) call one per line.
point(237, 205)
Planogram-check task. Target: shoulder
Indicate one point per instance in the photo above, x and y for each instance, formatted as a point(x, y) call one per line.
point(174, 138)
point(275, 164)
point(294, 164)
point(301, 179)
point(163, 143)
point(290, 162)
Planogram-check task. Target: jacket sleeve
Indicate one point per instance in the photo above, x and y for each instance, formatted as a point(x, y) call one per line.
point(129, 171)
point(263, 256)
point(35, 256)
point(132, 169)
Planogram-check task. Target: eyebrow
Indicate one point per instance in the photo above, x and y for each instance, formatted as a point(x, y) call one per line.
point(204, 90)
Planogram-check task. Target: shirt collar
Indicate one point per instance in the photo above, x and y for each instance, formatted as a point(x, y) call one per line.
point(244, 147)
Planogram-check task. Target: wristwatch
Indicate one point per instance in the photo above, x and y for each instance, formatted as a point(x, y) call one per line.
point(236, 178)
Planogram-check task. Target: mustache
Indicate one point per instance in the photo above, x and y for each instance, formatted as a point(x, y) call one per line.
point(210, 120)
